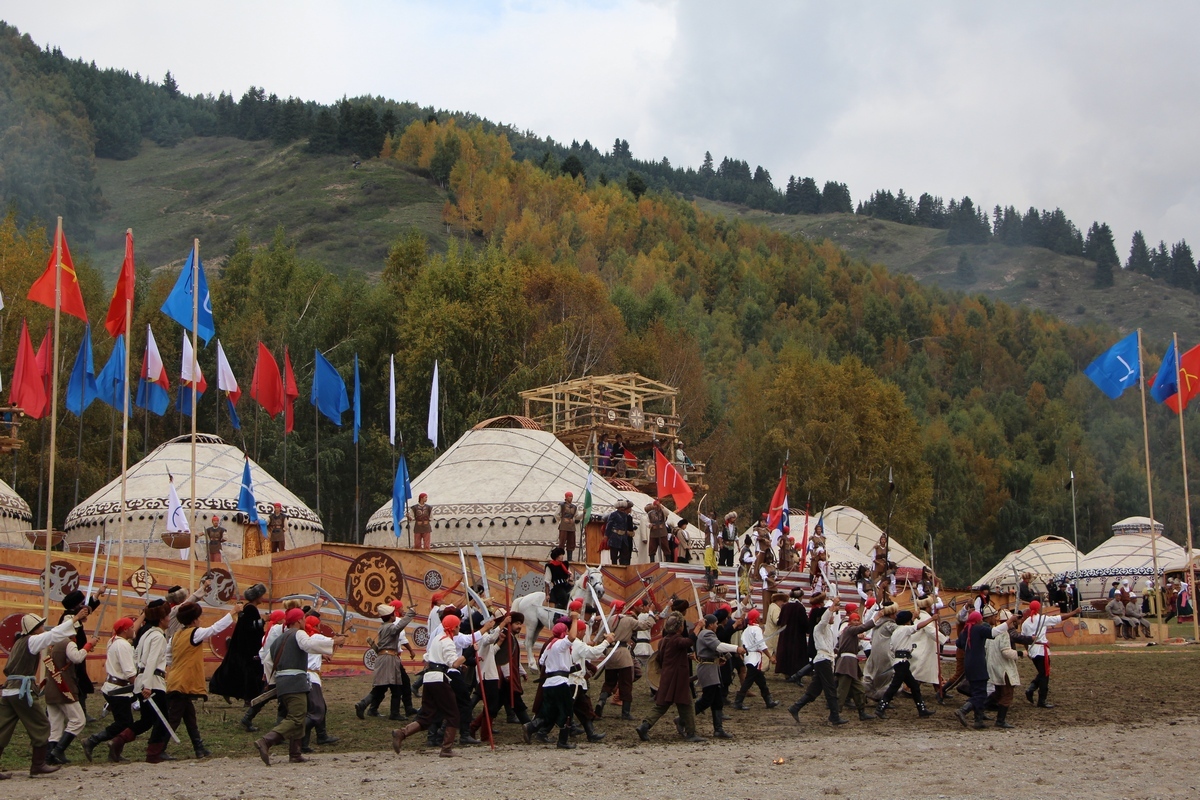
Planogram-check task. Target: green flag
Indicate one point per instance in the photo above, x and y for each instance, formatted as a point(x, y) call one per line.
point(587, 498)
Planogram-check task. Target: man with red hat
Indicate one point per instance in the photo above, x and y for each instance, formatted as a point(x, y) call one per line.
point(555, 664)
point(214, 536)
point(904, 644)
point(1035, 626)
point(656, 517)
point(618, 672)
point(120, 665)
point(568, 514)
point(277, 528)
point(848, 668)
point(20, 699)
point(422, 513)
point(437, 696)
point(756, 659)
point(290, 654)
point(558, 578)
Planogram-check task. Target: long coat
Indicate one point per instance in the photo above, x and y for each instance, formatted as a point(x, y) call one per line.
point(240, 674)
point(792, 648)
point(924, 661)
point(674, 684)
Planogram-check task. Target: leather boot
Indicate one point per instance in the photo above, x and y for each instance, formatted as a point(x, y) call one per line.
point(306, 740)
point(771, 702)
point(465, 738)
point(599, 708)
point(265, 744)
point(199, 749)
point(798, 676)
point(38, 765)
point(395, 709)
point(863, 716)
point(448, 742)
point(924, 710)
point(511, 718)
point(530, 728)
point(118, 744)
point(794, 708)
point(961, 714)
point(590, 728)
point(57, 754)
point(980, 721)
point(400, 734)
point(564, 741)
point(643, 731)
point(626, 710)
point(1002, 718)
point(739, 702)
point(89, 744)
point(323, 737)
point(154, 752)
point(294, 755)
point(719, 730)
point(881, 709)
point(836, 718)
point(360, 707)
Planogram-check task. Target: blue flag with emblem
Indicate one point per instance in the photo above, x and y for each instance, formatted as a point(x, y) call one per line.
point(1166, 382)
point(246, 502)
point(81, 388)
point(178, 305)
point(401, 494)
point(1117, 368)
point(328, 390)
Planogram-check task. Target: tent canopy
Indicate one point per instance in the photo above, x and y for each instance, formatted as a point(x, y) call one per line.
point(15, 518)
point(1045, 557)
point(856, 528)
point(1127, 555)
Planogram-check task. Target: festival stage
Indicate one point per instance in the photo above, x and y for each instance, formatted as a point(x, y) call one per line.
point(362, 577)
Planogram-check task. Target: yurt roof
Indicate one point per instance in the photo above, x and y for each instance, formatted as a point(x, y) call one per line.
point(855, 527)
point(1045, 557)
point(840, 553)
point(1127, 553)
point(1136, 525)
point(500, 477)
point(13, 505)
point(219, 468)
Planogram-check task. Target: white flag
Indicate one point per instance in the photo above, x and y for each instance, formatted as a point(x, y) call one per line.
point(190, 361)
point(432, 429)
point(176, 518)
point(392, 402)
point(226, 382)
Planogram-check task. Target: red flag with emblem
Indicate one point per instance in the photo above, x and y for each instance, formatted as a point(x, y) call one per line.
point(1189, 380)
point(42, 290)
point(670, 482)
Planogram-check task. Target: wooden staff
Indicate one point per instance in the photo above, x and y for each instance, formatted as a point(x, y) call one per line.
point(124, 453)
point(195, 389)
point(1149, 487)
point(58, 238)
point(1187, 505)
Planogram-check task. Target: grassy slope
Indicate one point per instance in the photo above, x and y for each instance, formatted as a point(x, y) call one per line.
point(214, 188)
point(1028, 276)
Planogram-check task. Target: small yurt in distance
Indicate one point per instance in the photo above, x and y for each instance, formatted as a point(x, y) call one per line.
point(15, 518)
point(219, 468)
point(500, 488)
point(1127, 555)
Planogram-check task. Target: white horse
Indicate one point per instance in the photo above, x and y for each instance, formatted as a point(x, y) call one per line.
point(538, 615)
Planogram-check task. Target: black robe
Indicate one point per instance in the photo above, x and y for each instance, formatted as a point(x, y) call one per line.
point(791, 652)
point(241, 674)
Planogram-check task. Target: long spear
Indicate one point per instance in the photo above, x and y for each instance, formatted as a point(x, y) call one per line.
point(195, 389)
point(58, 250)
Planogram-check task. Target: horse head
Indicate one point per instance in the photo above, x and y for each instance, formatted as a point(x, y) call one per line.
point(591, 577)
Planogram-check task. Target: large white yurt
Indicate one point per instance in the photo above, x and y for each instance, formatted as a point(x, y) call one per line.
point(1127, 555)
point(219, 468)
point(853, 526)
point(15, 518)
point(1045, 557)
point(500, 488)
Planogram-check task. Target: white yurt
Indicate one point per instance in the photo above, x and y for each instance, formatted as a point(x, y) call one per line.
point(853, 526)
point(219, 468)
point(15, 518)
point(500, 488)
point(1045, 557)
point(841, 555)
point(1127, 555)
point(640, 500)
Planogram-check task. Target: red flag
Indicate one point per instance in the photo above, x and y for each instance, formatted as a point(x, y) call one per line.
point(267, 386)
point(27, 391)
point(115, 322)
point(1189, 379)
point(44, 357)
point(778, 502)
point(42, 290)
point(670, 482)
point(290, 392)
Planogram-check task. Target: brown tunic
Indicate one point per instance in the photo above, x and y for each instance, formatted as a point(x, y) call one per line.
point(566, 516)
point(674, 684)
point(422, 512)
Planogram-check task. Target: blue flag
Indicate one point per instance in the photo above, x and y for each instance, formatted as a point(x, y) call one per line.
point(81, 388)
point(234, 419)
point(179, 302)
point(401, 494)
point(357, 400)
point(1166, 382)
point(1117, 368)
point(110, 383)
point(328, 390)
point(246, 502)
point(183, 400)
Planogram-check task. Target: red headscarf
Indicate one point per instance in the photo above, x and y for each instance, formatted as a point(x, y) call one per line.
point(973, 619)
point(752, 616)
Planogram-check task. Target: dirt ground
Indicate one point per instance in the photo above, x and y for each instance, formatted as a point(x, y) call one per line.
point(1123, 726)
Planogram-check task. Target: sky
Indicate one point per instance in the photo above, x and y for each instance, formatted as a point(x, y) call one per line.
point(1088, 106)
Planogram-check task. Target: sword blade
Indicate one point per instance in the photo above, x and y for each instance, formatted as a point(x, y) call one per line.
point(166, 724)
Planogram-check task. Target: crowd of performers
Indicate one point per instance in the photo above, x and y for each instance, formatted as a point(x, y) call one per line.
point(859, 655)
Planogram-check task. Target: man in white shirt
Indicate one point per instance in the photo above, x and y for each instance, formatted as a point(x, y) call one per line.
point(824, 636)
point(757, 658)
point(555, 664)
point(1035, 626)
point(437, 696)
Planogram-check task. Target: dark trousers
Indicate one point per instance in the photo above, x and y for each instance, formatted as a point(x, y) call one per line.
point(581, 704)
point(1042, 681)
point(151, 722)
point(556, 706)
point(181, 708)
point(725, 557)
point(902, 675)
point(121, 706)
point(620, 550)
point(620, 679)
point(978, 695)
point(712, 697)
point(658, 544)
point(754, 677)
point(316, 708)
point(511, 699)
point(438, 701)
point(823, 681)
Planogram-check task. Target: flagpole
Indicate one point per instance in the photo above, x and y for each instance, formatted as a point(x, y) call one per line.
point(124, 452)
point(195, 387)
point(79, 442)
point(317, 434)
point(1149, 487)
point(58, 237)
point(1187, 503)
